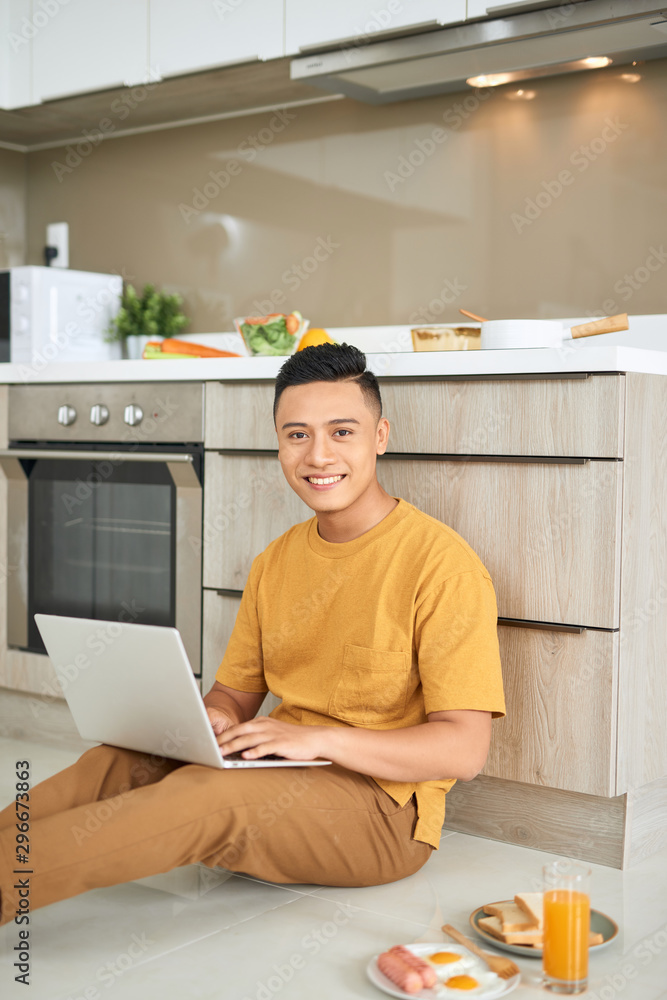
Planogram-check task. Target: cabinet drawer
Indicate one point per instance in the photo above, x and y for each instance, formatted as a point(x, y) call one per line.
point(239, 415)
point(560, 728)
point(572, 417)
point(552, 417)
point(247, 503)
point(549, 534)
point(220, 612)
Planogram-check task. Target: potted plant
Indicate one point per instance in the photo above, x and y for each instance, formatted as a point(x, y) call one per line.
point(145, 317)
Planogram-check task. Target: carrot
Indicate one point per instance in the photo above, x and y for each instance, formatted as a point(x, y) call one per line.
point(173, 346)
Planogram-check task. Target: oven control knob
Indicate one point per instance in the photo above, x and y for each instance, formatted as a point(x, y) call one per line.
point(133, 414)
point(99, 414)
point(66, 415)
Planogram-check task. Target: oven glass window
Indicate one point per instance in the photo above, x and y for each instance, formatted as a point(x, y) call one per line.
point(101, 541)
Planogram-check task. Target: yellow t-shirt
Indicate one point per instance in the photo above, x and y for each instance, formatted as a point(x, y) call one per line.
point(376, 632)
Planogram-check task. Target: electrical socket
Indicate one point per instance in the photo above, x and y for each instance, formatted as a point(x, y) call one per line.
point(57, 236)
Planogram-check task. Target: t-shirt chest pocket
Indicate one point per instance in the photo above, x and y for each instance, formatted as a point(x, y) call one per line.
point(372, 686)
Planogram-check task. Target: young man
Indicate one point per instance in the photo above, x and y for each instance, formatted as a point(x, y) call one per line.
point(374, 624)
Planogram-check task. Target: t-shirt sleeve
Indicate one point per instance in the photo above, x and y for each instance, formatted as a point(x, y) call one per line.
point(242, 666)
point(457, 646)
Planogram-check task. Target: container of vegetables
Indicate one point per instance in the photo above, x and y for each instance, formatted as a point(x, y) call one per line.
point(277, 334)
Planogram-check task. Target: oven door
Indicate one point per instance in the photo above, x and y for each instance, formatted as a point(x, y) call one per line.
point(107, 534)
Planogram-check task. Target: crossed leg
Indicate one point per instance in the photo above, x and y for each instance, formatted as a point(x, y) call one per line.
point(116, 815)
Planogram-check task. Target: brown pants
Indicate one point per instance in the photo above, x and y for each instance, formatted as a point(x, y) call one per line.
point(117, 815)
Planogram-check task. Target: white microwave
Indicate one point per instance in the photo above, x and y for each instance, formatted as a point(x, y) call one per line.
point(54, 314)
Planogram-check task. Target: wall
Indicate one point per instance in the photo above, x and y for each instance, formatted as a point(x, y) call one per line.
point(13, 174)
point(372, 215)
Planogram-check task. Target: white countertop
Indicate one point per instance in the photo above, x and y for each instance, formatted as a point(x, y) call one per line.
point(535, 361)
point(642, 348)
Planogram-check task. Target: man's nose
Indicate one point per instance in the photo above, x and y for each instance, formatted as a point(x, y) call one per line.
point(321, 451)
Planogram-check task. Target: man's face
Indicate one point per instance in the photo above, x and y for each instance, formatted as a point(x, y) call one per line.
point(326, 431)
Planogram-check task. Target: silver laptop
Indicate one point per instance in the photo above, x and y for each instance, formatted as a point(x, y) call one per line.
point(132, 686)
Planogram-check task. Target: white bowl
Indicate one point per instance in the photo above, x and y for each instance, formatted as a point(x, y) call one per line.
point(499, 334)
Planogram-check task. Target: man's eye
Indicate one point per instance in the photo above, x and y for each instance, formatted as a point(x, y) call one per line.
point(297, 434)
point(342, 430)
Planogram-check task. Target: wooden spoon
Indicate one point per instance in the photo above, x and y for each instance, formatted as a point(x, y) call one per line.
point(478, 319)
point(503, 967)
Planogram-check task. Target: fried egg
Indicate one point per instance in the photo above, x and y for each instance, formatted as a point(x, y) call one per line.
point(462, 983)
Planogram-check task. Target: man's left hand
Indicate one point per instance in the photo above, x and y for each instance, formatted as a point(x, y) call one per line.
point(264, 735)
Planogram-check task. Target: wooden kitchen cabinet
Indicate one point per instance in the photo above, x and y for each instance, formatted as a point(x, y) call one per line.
point(220, 612)
point(187, 38)
point(247, 503)
point(561, 699)
point(570, 417)
point(314, 24)
point(550, 538)
point(562, 498)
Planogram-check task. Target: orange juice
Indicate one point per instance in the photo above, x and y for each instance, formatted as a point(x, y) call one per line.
point(566, 928)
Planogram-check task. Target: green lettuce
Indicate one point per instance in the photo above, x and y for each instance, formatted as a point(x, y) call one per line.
point(269, 338)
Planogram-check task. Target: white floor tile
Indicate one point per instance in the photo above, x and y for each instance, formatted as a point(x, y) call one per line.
point(201, 933)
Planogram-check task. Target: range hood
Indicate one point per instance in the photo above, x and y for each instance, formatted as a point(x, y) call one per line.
point(549, 41)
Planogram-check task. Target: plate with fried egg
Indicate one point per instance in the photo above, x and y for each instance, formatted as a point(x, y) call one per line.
point(453, 971)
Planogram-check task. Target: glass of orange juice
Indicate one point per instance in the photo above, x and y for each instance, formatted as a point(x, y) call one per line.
point(566, 926)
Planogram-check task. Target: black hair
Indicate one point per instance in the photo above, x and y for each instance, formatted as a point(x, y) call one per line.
point(329, 363)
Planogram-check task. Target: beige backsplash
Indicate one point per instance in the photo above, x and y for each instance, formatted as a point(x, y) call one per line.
point(379, 215)
point(13, 173)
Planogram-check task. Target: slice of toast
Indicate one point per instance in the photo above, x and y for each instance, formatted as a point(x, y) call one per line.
point(493, 926)
point(531, 904)
point(512, 917)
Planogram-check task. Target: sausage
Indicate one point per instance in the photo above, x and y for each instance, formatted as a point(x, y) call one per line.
point(427, 974)
point(394, 968)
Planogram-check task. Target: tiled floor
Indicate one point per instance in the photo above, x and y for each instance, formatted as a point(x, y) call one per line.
point(194, 933)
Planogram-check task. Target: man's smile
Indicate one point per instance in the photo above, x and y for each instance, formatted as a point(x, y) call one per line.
point(324, 482)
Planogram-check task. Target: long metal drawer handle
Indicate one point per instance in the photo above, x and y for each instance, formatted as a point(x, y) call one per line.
point(96, 456)
point(403, 456)
point(544, 626)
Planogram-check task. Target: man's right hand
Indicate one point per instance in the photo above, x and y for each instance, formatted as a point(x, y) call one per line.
point(219, 720)
point(227, 707)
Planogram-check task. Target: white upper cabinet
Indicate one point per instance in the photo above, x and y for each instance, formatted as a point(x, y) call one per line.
point(88, 45)
point(200, 34)
point(16, 32)
point(313, 23)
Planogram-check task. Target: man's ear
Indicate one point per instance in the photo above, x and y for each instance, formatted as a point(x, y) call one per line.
point(382, 436)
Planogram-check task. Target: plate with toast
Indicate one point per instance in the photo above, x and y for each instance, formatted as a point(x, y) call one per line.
point(515, 925)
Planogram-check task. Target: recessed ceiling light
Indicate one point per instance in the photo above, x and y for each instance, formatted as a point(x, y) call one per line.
point(631, 77)
point(521, 95)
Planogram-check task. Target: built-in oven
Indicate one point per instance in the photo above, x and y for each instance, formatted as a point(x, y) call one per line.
point(104, 506)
